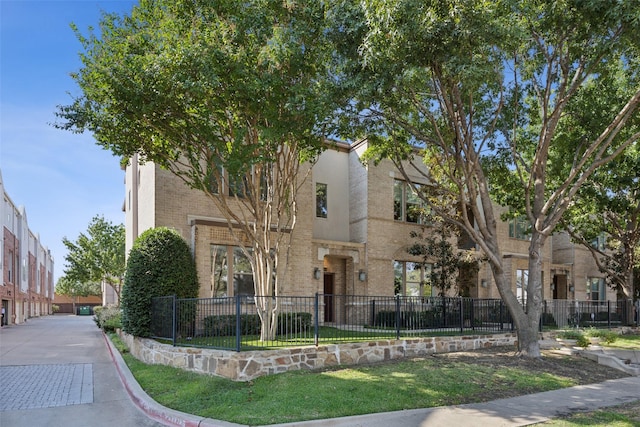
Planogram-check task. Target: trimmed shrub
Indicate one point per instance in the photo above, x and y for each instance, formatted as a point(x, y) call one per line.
point(107, 318)
point(549, 320)
point(159, 264)
point(225, 325)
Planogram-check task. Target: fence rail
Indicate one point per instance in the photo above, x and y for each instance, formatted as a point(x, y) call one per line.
point(234, 323)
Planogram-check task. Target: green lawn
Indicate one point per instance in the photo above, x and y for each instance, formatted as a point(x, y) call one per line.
point(628, 342)
point(619, 416)
point(304, 395)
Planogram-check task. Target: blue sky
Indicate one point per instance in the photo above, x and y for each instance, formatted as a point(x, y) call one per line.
point(63, 180)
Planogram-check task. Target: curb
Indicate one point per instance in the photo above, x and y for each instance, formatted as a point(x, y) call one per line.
point(150, 407)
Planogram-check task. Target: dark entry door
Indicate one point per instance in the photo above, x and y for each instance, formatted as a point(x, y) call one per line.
point(328, 297)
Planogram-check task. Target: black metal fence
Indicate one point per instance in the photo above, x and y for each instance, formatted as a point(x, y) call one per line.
point(234, 323)
point(597, 314)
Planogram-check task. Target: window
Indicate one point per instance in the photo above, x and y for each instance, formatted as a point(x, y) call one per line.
point(522, 279)
point(412, 279)
point(242, 274)
point(321, 200)
point(519, 228)
point(240, 184)
point(230, 265)
point(599, 242)
point(219, 271)
point(596, 289)
point(407, 206)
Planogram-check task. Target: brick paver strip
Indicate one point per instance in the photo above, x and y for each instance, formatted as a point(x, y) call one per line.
point(45, 386)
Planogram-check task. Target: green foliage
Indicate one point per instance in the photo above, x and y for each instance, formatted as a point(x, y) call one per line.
point(159, 264)
point(448, 264)
point(513, 102)
point(549, 320)
point(570, 334)
point(69, 287)
point(231, 97)
point(95, 256)
point(225, 325)
point(608, 337)
point(108, 318)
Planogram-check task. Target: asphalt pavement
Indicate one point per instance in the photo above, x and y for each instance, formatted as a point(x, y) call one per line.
point(60, 371)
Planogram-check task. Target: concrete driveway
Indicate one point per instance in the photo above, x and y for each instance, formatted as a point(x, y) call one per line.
point(56, 371)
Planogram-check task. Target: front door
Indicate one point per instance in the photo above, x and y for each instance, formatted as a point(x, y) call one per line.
point(328, 297)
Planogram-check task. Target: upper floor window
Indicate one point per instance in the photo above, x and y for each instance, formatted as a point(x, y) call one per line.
point(599, 242)
point(238, 185)
point(407, 206)
point(519, 228)
point(321, 200)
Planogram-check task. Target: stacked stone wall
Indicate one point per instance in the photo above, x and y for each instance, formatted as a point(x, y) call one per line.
point(248, 365)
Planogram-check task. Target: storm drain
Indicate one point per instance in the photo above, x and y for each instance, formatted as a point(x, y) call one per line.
point(45, 386)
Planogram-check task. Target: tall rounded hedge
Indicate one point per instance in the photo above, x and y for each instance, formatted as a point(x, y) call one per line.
point(159, 264)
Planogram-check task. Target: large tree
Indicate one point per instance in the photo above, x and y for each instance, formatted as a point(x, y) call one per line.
point(605, 219)
point(229, 96)
point(479, 91)
point(97, 256)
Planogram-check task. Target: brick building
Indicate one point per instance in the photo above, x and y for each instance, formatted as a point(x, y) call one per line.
point(26, 266)
point(351, 235)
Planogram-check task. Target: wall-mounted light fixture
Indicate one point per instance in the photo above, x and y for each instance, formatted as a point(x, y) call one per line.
point(317, 273)
point(483, 283)
point(571, 288)
point(362, 275)
point(553, 287)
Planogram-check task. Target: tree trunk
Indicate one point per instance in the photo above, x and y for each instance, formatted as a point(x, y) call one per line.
point(266, 298)
point(528, 343)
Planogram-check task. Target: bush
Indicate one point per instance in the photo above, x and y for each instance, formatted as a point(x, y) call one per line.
point(225, 325)
point(417, 319)
point(159, 264)
point(107, 318)
point(549, 320)
point(607, 336)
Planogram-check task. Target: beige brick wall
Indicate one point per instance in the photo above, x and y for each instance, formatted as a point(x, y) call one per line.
point(369, 240)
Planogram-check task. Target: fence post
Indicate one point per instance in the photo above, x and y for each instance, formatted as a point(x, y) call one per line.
point(373, 312)
point(238, 324)
point(174, 321)
point(473, 314)
point(461, 305)
point(608, 314)
point(316, 323)
point(398, 317)
point(444, 311)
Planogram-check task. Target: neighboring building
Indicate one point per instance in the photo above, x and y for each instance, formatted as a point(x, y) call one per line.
point(26, 266)
point(351, 235)
point(584, 281)
point(67, 304)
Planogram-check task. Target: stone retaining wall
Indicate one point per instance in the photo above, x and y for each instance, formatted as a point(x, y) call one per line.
point(247, 365)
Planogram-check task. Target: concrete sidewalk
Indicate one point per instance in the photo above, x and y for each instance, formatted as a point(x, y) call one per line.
point(517, 411)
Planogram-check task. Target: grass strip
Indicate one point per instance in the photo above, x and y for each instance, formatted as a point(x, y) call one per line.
point(611, 417)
